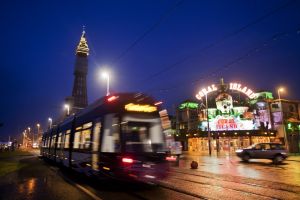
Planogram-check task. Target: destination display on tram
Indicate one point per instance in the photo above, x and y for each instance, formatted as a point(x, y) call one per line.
point(140, 107)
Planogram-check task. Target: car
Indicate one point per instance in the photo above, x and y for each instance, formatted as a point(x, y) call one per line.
point(274, 151)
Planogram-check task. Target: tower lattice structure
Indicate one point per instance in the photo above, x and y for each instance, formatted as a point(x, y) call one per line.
point(79, 99)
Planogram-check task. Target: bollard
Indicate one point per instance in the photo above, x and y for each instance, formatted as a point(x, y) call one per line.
point(194, 165)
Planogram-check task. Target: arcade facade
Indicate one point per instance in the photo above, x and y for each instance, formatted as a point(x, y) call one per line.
point(233, 116)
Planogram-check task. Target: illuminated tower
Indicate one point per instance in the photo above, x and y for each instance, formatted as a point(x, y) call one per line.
point(79, 99)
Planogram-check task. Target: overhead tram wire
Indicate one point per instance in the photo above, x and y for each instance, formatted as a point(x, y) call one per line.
point(149, 30)
point(258, 48)
point(213, 44)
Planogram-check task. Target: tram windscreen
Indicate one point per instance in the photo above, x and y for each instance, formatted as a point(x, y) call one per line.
point(142, 136)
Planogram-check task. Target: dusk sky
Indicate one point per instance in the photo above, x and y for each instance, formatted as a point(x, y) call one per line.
point(168, 49)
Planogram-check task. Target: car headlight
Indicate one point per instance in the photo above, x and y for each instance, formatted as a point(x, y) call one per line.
point(239, 151)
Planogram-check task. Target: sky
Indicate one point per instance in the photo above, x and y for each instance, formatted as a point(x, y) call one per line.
point(166, 48)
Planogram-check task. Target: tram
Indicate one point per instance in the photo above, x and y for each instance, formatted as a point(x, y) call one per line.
point(118, 136)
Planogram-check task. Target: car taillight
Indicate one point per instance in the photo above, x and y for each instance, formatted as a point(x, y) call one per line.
point(127, 160)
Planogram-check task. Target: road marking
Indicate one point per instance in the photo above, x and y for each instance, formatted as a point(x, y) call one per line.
point(87, 191)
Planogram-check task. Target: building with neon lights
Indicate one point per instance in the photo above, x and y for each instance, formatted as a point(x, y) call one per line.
point(237, 117)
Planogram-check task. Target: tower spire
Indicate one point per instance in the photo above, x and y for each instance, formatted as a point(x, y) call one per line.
point(82, 48)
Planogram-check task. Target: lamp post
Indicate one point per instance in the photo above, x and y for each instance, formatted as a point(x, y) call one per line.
point(38, 132)
point(278, 92)
point(67, 107)
point(29, 134)
point(106, 76)
point(208, 129)
point(24, 134)
point(281, 89)
point(50, 122)
point(207, 119)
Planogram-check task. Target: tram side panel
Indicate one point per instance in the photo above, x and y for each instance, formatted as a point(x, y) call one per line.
point(81, 152)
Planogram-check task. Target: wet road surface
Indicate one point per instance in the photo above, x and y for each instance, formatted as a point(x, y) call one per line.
point(216, 178)
point(288, 172)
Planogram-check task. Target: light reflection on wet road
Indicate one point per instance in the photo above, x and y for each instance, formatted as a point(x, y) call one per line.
point(287, 172)
point(27, 188)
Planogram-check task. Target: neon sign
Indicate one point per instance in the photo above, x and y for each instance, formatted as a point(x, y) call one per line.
point(190, 105)
point(140, 108)
point(223, 124)
point(245, 90)
point(205, 91)
point(232, 86)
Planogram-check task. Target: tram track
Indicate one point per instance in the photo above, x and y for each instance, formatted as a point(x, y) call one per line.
point(247, 181)
point(230, 189)
point(238, 187)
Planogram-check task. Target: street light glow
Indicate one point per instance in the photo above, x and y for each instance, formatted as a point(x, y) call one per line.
point(67, 107)
point(281, 89)
point(50, 122)
point(105, 75)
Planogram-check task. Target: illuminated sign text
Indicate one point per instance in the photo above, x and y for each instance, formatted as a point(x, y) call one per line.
point(245, 90)
point(140, 108)
point(232, 86)
point(205, 91)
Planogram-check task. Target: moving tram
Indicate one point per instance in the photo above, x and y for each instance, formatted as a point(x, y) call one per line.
point(118, 136)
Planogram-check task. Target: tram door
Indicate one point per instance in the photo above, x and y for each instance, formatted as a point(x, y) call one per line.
point(96, 142)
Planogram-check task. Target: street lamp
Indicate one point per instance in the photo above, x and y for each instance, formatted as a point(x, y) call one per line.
point(24, 137)
point(38, 131)
point(67, 107)
point(281, 89)
point(207, 119)
point(50, 122)
point(106, 76)
point(208, 129)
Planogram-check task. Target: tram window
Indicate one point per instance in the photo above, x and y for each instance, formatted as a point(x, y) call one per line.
point(67, 139)
point(85, 139)
point(137, 137)
point(59, 140)
point(87, 125)
point(96, 136)
point(48, 142)
point(111, 137)
point(76, 140)
point(53, 141)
